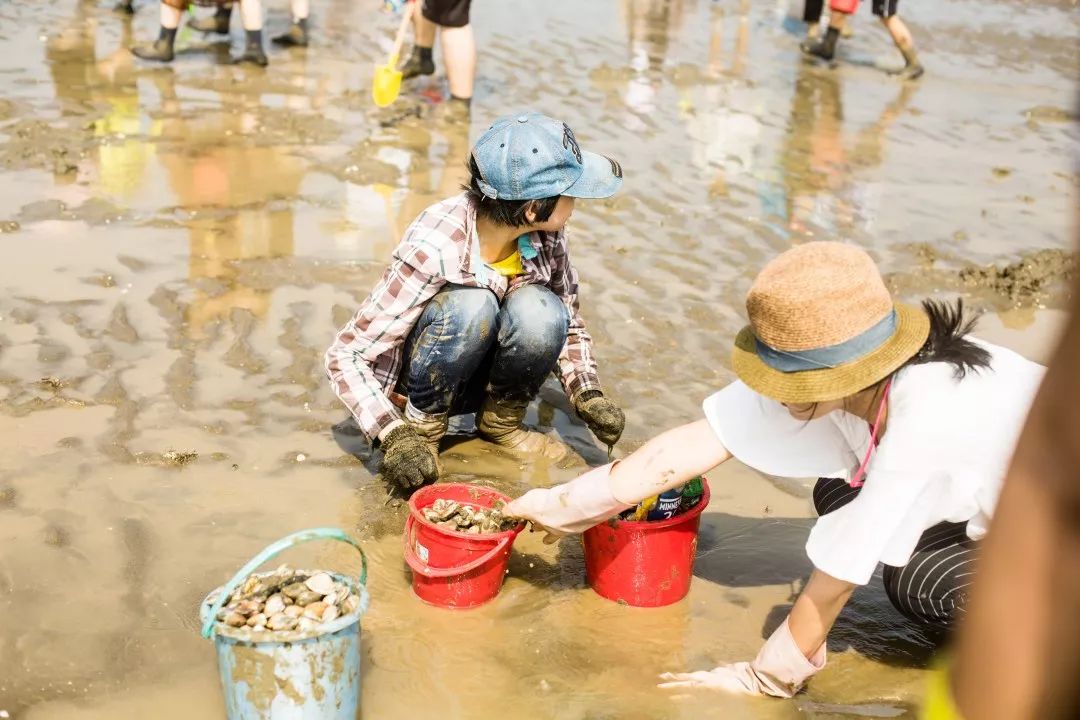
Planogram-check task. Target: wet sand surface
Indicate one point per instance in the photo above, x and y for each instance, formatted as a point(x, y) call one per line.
point(180, 243)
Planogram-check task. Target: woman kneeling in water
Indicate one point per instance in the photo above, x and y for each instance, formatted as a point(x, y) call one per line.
point(908, 422)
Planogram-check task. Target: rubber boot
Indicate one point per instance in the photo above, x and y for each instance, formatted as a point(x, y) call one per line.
point(825, 48)
point(421, 62)
point(430, 427)
point(216, 23)
point(253, 50)
point(500, 423)
point(160, 50)
point(297, 36)
point(912, 69)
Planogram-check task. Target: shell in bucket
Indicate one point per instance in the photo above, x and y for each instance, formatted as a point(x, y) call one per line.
point(453, 569)
point(293, 675)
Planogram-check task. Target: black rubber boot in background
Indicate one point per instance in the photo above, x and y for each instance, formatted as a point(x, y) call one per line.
point(216, 23)
point(421, 62)
point(297, 36)
point(825, 48)
point(253, 50)
point(160, 50)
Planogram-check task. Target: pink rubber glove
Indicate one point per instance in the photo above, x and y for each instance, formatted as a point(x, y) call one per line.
point(780, 670)
point(569, 508)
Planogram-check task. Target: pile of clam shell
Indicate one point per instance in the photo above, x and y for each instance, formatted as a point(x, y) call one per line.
point(461, 517)
point(287, 601)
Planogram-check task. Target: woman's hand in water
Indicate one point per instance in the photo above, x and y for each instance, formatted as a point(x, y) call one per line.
point(779, 670)
point(569, 508)
point(737, 678)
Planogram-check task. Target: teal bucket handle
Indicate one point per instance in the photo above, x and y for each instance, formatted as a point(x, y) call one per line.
point(274, 549)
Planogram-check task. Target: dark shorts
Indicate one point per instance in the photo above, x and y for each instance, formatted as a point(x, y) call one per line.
point(447, 13)
point(885, 8)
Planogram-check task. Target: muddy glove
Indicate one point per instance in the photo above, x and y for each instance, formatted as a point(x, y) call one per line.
point(407, 460)
point(780, 670)
point(602, 416)
point(572, 507)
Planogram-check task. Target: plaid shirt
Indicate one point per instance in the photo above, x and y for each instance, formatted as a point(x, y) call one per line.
point(441, 248)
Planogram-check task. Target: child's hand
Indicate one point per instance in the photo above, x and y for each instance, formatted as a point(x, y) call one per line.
point(407, 460)
point(602, 415)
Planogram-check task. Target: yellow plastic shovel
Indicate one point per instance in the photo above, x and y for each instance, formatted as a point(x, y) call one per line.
point(387, 83)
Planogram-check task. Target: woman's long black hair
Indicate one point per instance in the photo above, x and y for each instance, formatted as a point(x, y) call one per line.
point(948, 341)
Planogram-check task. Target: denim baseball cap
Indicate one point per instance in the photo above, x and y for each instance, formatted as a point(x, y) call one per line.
point(530, 156)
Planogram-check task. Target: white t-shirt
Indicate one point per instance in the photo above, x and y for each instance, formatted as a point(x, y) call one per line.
point(943, 457)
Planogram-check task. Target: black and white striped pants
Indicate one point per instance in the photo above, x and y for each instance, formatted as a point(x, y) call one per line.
point(932, 587)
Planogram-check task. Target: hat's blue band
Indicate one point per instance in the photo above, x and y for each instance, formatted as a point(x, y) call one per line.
point(832, 356)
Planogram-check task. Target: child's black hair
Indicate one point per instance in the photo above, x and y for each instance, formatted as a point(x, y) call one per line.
point(506, 212)
point(947, 341)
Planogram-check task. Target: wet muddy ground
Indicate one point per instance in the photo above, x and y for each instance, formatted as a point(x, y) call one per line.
point(179, 244)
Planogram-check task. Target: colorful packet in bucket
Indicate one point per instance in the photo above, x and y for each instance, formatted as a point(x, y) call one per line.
point(691, 495)
point(667, 505)
point(642, 510)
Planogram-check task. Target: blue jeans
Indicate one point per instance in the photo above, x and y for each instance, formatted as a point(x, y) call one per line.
point(465, 346)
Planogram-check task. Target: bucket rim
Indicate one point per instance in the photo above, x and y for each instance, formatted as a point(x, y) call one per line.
point(292, 636)
point(644, 525)
point(415, 511)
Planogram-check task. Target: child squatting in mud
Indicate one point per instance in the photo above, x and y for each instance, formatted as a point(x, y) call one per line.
point(479, 306)
point(907, 421)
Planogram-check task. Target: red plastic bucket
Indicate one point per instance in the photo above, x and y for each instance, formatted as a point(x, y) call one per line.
point(644, 564)
point(453, 569)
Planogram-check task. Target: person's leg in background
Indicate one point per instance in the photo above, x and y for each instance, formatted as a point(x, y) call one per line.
point(825, 48)
point(459, 49)
point(444, 351)
point(297, 36)
point(532, 325)
point(812, 11)
point(125, 6)
point(422, 61)
point(216, 23)
point(252, 14)
point(162, 48)
point(901, 36)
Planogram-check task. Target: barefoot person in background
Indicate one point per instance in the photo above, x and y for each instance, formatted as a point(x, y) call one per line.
point(825, 48)
point(908, 422)
point(162, 49)
point(479, 307)
point(451, 18)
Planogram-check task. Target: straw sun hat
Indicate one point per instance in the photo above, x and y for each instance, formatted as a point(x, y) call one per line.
point(823, 326)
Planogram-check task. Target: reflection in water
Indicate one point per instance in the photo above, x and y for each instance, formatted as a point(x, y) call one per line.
point(722, 116)
point(82, 82)
point(239, 199)
point(433, 167)
point(650, 25)
point(827, 189)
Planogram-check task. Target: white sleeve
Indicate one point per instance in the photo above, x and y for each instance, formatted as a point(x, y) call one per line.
point(762, 434)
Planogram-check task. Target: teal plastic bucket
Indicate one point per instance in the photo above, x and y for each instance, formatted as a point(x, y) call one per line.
point(309, 676)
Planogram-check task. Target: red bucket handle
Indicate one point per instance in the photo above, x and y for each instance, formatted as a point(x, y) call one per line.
point(417, 566)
